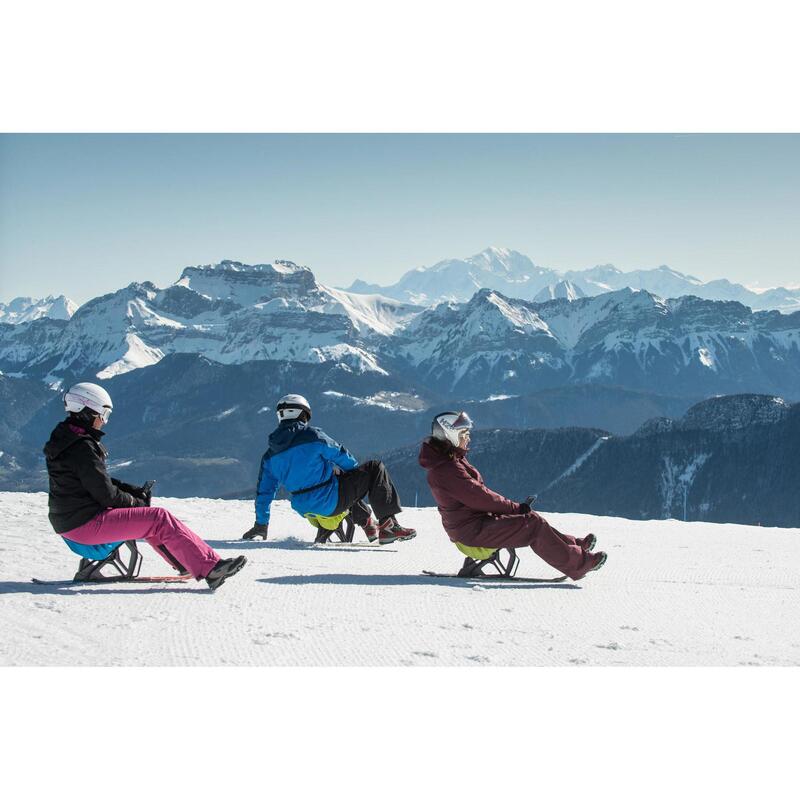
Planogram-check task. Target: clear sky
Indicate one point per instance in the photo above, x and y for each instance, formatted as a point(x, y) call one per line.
point(82, 215)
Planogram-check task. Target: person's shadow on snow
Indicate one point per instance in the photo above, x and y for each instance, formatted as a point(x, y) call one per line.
point(291, 543)
point(405, 580)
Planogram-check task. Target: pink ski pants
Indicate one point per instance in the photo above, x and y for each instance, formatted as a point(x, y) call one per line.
point(157, 527)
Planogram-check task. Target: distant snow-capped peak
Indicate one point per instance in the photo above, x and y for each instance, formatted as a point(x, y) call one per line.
point(503, 261)
point(456, 280)
point(27, 309)
point(515, 275)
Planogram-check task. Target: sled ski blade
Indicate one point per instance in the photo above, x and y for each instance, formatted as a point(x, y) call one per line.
point(496, 578)
point(137, 579)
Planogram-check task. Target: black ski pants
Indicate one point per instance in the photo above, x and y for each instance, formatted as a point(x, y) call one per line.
point(368, 479)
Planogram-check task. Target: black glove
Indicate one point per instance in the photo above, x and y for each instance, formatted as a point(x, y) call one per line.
point(144, 492)
point(125, 487)
point(527, 505)
point(139, 492)
point(256, 531)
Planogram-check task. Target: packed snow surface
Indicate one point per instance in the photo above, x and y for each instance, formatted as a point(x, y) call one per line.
point(671, 593)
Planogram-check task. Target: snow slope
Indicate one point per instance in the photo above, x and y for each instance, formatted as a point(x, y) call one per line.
point(672, 593)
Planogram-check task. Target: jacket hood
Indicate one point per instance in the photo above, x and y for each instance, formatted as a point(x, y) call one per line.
point(431, 455)
point(281, 438)
point(64, 435)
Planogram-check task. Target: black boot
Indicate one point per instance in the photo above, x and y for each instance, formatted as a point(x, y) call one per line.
point(223, 570)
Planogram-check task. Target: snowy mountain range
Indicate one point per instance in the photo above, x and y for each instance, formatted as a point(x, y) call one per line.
point(234, 313)
point(230, 312)
point(628, 338)
point(26, 309)
point(515, 275)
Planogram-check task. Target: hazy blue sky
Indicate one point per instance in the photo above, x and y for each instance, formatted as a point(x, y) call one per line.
point(86, 214)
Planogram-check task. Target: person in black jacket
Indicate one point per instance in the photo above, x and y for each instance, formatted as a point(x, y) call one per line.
point(87, 506)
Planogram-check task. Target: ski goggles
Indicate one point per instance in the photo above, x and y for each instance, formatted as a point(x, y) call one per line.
point(462, 422)
point(105, 414)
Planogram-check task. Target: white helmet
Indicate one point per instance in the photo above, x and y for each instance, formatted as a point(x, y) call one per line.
point(448, 425)
point(91, 396)
point(291, 406)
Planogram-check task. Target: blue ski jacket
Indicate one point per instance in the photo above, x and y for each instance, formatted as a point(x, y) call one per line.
point(301, 457)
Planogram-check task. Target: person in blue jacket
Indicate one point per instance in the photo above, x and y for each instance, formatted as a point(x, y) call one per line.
point(323, 478)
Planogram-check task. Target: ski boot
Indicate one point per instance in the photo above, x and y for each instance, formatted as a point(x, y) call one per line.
point(595, 561)
point(257, 531)
point(223, 570)
point(588, 543)
point(390, 530)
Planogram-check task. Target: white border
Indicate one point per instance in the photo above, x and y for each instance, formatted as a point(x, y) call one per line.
point(399, 732)
point(420, 65)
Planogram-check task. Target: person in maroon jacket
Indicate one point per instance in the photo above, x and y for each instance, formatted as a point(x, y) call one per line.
point(474, 515)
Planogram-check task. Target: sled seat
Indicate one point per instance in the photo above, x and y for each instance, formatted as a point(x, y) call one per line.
point(106, 562)
point(502, 559)
point(341, 526)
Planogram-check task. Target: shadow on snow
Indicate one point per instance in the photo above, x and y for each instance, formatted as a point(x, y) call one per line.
point(293, 543)
point(404, 580)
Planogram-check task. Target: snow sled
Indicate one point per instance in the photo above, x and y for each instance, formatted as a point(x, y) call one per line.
point(504, 561)
point(341, 526)
point(102, 563)
point(116, 561)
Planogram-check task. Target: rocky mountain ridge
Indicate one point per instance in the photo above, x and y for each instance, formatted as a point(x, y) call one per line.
point(234, 313)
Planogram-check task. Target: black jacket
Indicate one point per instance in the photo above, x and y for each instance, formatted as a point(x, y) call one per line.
point(80, 487)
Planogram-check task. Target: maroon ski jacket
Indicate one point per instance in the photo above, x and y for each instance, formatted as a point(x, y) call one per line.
point(464, 500)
